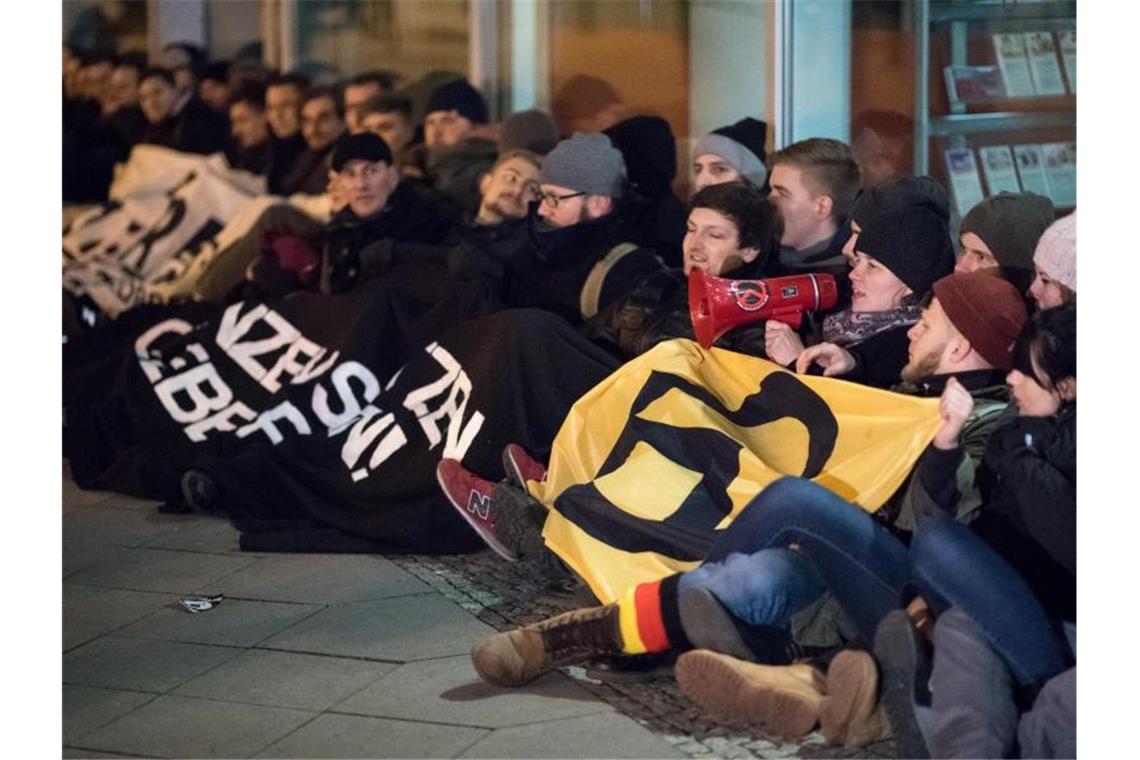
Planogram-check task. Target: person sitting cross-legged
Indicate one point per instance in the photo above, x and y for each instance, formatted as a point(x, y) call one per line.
point(743, 598)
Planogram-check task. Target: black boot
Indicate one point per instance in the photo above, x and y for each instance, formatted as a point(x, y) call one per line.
point(201, 493)
point(709, 625)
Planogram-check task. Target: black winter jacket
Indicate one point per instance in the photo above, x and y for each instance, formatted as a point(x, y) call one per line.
point(307, 173)
point(1029, 484)
point(283, 155)
point(1028, 487)
point(197, 128)
point(552, 270)
point(359, 249)
point(658, 310)
point(879, 359)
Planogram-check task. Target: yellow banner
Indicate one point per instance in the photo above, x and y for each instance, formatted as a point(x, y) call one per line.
point(665, 452)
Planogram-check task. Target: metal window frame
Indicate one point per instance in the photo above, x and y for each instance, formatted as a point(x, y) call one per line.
point(783, 79)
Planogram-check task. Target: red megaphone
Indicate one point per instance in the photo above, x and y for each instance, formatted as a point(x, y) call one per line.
point(717, 304)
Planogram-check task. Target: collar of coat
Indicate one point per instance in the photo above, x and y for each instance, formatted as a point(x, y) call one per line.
point(981, 383)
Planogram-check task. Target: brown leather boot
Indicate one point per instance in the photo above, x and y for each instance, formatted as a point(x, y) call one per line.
point(851, 714)
point(516, 657)
point(783, 699)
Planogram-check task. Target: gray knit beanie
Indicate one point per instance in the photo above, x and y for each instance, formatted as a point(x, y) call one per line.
point(1056, 253)
point(585, 163)
point(740, 144)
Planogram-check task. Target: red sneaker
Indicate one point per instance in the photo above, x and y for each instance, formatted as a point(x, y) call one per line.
point(471, 497)
point(521, 466)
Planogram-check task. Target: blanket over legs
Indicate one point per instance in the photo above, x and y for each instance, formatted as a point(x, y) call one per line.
point(318, 417)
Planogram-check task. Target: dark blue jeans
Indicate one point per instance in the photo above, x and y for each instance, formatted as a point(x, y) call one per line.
point(854, 556)
point(953, 567)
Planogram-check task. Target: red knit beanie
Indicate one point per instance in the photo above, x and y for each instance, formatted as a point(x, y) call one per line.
point(986, 309)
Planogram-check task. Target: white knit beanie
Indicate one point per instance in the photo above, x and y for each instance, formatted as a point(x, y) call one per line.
point(1056, 253)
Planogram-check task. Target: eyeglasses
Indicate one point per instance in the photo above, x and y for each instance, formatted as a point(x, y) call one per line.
point(552, 200)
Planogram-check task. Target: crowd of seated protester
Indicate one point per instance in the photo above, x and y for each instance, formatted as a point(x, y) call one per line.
point(950, 611)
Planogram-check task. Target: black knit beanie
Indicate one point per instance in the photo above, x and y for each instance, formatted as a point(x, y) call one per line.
point(650, 152)
point(913, 242)
point(923, 192)
point(1010, 224)
point(749, 132)
point(458, 95)
point(742, 145)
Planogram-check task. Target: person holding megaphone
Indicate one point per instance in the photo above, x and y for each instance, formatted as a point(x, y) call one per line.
point(897, 257)
point(730, 231)
point(890, 274)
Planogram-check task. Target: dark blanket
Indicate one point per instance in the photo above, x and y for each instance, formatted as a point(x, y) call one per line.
point(322, 427)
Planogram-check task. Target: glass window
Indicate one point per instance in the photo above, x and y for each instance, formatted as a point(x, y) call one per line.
point(413, 37)
point(998, 105)
point(609, 57)
point(882, 89)
point(981, 94)
point(117, 26)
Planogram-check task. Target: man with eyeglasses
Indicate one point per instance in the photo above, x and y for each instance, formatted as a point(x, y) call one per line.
point(585, 255)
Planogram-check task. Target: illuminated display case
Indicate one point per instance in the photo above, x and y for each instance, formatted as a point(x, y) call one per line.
point(995, 98)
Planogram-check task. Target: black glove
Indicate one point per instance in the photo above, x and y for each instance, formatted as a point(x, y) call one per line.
point(344, 267)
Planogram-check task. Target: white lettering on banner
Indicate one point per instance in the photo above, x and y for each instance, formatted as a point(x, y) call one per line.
point(362, 435)
point(178, 363)
point(314, 368)
point(288, 364)
point(350, 405)
point(193, 383)
point(151, 367)
point(457, 385)
point(198, 398)
point(223, 421)
point(244, 353)
point(232, 329)
point(265, 422)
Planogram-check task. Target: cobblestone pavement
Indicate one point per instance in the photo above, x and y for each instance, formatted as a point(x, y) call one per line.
point(506, 595)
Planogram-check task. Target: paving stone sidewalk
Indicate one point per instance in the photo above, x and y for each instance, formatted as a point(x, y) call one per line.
point(318, 655)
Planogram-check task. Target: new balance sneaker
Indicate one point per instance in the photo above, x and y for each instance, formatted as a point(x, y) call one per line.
point(471, 496)
point(521, 466)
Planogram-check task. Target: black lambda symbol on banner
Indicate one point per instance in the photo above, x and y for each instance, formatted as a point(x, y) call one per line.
point(688, 533)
